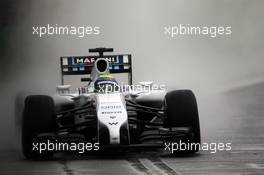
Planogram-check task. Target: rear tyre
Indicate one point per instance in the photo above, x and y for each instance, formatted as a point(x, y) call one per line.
point(181, 111)
point(38, 117)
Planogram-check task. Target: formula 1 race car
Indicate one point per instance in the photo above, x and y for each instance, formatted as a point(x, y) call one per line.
point(107, 113)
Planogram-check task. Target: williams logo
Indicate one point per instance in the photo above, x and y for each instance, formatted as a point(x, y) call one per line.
point(113, 123)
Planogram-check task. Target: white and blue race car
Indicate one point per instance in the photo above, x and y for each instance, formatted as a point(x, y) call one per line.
point(105, 112)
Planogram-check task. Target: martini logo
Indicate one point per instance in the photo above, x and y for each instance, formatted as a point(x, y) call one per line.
point(91, 60)
point(83, 60)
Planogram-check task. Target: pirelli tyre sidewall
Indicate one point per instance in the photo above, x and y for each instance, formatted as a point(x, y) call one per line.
point(38, 117)
point(182, 111)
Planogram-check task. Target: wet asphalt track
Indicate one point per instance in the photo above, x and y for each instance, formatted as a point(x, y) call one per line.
point(236, 117)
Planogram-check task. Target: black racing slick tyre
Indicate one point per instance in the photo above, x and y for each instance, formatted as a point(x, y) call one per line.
point(182, 111)
point(38, 117)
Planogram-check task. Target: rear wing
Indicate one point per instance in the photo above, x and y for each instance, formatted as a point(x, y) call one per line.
point(82, 65)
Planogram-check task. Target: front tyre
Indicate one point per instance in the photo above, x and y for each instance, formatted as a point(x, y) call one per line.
point(181, 111)
point(38, 117)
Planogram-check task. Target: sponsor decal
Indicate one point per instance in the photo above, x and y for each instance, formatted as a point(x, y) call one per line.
point(91, 60)
point(111, 107)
